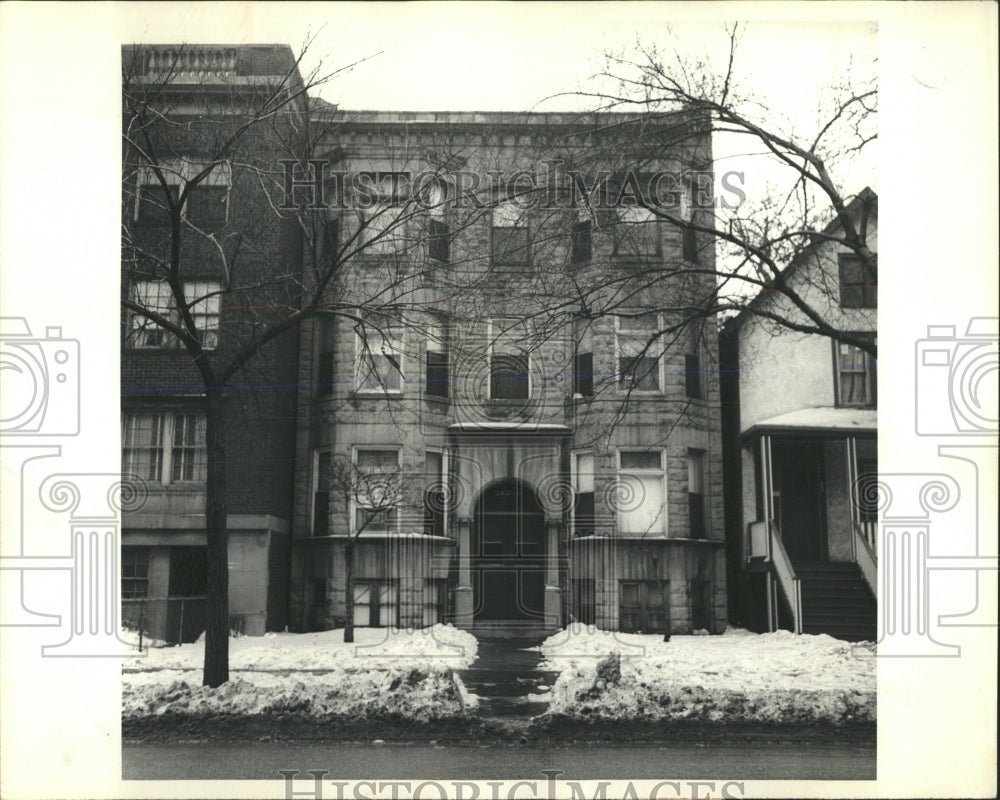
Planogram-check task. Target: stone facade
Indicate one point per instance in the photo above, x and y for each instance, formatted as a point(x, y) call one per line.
point(524, 450)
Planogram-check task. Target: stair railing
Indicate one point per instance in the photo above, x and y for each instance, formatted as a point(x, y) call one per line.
point(865, 558)
point(790, 583)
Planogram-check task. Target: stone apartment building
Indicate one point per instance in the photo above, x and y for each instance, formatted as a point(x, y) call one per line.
point(531, 370)
point(178, 103)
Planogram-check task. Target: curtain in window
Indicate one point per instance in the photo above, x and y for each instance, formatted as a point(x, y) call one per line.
point(641, 503)
point(855, 378)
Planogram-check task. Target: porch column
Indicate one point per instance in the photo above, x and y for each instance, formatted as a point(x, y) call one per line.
point(463, 592)
point(767, 498)
point(851, 461)
point(553, 589)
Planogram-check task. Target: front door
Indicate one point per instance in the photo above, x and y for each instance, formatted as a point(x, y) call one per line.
point(800, 500)
point(508, 554)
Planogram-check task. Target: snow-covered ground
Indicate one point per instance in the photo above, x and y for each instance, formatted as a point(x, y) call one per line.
point(773, 677)
point(385, 671)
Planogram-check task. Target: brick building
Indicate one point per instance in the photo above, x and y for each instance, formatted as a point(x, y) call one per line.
point(533, 374)
point(181, 105)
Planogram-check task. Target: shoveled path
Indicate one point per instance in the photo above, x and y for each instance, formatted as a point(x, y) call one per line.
point(506, 677)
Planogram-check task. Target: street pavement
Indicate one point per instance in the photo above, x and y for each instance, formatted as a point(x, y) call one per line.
point(576, 761)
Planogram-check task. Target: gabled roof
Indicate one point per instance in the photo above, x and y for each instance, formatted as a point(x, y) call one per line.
point(865, 197)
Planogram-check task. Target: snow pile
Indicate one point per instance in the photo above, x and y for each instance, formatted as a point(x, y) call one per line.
point(385, 672)
point(442, 645)
point(774, 677)
point(416, 694)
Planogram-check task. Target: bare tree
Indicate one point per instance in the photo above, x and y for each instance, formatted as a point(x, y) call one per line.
point(761, 240)
point(367, 492)
point(198, 139)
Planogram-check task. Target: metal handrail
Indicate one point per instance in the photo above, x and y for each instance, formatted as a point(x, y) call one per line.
point(865, 558)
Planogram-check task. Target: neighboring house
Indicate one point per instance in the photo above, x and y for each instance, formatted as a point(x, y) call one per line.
point(562, 463)
point(802, 449)
point(196, 89)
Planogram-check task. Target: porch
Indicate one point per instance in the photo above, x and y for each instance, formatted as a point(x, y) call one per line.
point(810, 552)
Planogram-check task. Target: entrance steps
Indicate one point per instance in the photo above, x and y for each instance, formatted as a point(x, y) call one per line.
point(836, 600)
point(509, 629)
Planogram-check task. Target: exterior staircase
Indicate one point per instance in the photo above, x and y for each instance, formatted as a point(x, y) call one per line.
point(836, 600)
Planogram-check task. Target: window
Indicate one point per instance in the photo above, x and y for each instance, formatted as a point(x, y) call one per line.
point(438, 231)
point(638, 348)
point(583, 494)
point(510, 377)
point(638, 233)
point(692, 362)
point(641, 499)
point(331, 241)
point(380, 357)
point(322, 474)
point(207, 205)
point(135, 572)
point(858, 286)
point(641, 606)
point(510, 243)
point(207, 202)
point(377, 490)
point(164, 448)
point(854, 371)
point(435, 596)
point(696, 494)
point(438, 240)
point(383, 229)
point(376, 604)
point(154, 296)
point(437, 362)
point(435, 494)
point(188, 454)
point(152, 208)
point(382, 220)
point(203, 300)
point(583, 371)
point(581, 242)
point(584, 595)
point(326, 332)
point(689, 243)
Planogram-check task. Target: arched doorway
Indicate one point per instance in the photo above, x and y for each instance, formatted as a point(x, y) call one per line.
point(508, 554)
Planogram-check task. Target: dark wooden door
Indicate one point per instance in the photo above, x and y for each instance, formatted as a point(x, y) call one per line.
point(801, 520)
point(508, 554)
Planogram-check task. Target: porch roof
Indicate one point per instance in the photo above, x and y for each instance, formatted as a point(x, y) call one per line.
point(835, 421)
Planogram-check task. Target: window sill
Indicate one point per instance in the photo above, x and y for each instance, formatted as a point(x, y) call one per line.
point(375, 393)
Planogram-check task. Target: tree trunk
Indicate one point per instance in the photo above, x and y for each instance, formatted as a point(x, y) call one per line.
point(349, 599)
point(216, 670)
